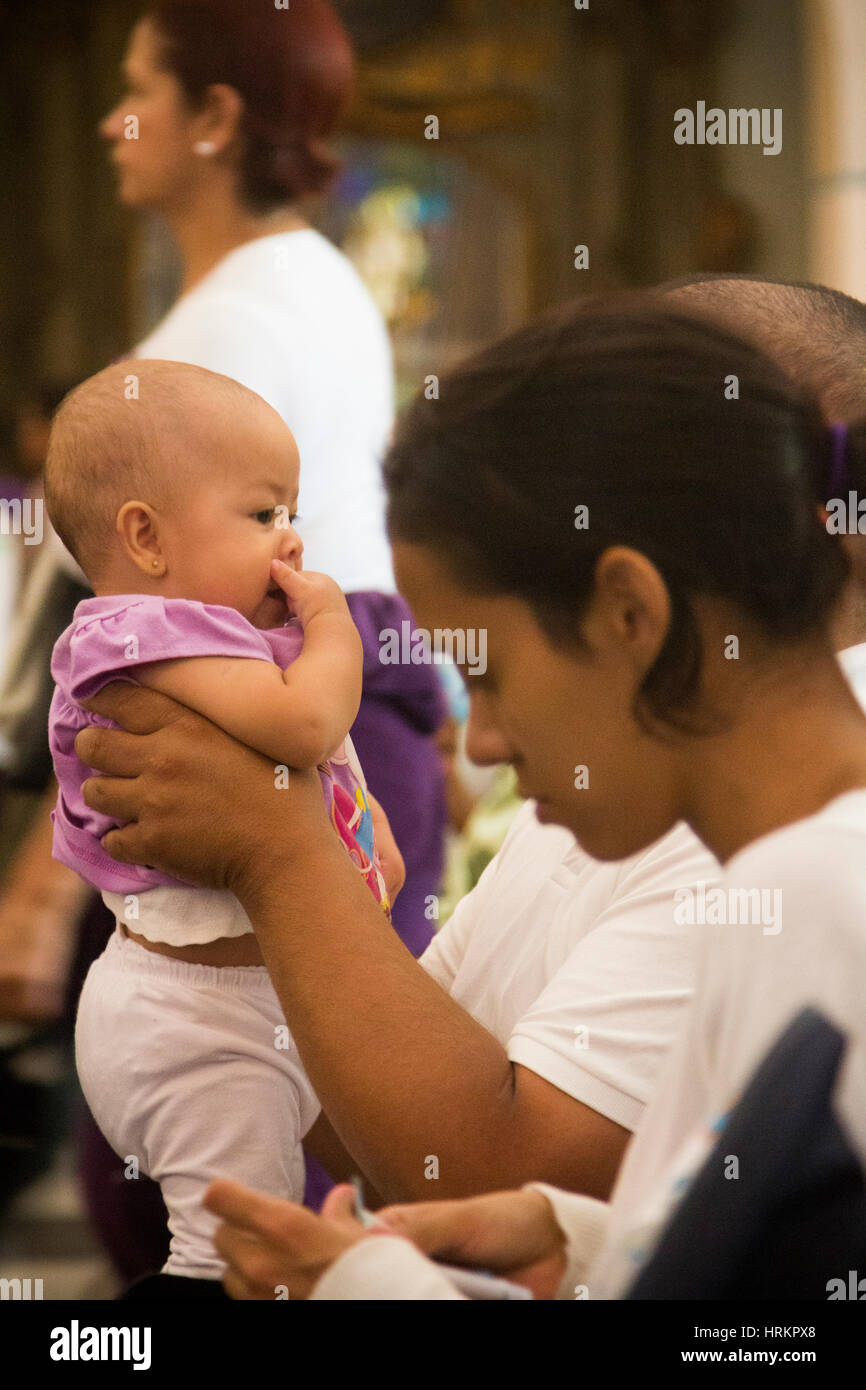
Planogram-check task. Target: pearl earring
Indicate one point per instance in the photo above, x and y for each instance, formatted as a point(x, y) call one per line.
point(204, 147)
point(154, 563)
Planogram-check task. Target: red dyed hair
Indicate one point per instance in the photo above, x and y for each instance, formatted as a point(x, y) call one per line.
point(292, 67)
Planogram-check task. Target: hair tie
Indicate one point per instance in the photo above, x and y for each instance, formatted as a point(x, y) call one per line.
point(839, 438)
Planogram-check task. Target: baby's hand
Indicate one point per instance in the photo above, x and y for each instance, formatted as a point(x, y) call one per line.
point(309, 595)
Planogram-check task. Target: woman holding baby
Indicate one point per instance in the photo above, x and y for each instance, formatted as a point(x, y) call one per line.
point(606, 649)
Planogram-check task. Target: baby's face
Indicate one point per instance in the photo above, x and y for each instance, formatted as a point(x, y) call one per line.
point(218, 548)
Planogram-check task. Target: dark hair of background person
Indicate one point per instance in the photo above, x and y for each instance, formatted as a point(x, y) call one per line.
point(294, 70)
point(817, 334)
point(623, 409)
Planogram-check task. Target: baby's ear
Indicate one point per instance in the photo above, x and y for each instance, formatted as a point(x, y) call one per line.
point(135, 525)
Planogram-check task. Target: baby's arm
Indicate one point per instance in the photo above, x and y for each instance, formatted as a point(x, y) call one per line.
point(298, 716)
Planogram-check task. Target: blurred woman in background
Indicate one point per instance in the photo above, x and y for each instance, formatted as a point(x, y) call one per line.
point(221, 131)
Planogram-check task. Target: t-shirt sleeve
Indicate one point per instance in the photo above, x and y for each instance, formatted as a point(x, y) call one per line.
point(602, 1027)
point(584, 1221)
point(109, 646)
point(386, 1268)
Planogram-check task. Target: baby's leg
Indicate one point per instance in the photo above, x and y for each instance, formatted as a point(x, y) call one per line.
point(189, 1069)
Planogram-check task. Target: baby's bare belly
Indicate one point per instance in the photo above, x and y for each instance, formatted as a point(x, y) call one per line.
point(226, 950)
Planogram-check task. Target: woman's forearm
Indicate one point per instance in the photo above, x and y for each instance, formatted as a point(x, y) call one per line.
point(405, 1075)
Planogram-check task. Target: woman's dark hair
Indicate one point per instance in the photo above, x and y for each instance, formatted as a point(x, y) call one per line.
point(681, 440)
point(292, 67)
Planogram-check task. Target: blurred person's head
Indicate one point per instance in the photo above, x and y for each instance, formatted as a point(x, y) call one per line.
point(818, 336)
point(229, 90)
point(584, 493)
point(187, 489)
point(816, 333)
point(33, 424)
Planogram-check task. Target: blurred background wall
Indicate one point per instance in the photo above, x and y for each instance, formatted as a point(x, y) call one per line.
point(555, 129)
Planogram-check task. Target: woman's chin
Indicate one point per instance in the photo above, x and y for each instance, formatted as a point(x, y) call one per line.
point(606, 848)
point(130, 194)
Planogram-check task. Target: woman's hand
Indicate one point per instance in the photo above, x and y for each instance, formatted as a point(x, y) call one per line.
point(271, 1246)
point(275, 1249)
point(513, 1234)
point(194, 802)
point(390, 858)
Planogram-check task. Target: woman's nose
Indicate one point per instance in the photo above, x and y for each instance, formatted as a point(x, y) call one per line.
point(484, 744)
point(110, 127)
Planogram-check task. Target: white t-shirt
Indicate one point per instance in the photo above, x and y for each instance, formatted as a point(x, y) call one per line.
point(751, 985)
point(581, 971)
point(578, 968)
point(289, 316)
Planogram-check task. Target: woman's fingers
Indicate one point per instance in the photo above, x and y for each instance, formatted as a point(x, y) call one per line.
point(437, 1228)
point(339, 1207)
point(116, 797)
point(501, 1230)
point(271, 1246)
point(390, 858)
point(255, 1212)
point(126, 845)
point(111, 751)
point(122, 752)
point(134, 708)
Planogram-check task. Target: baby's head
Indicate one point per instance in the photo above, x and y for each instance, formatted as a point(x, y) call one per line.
point(166, 479)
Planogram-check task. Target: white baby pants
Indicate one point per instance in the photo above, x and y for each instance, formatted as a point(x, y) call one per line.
point(191, 1074)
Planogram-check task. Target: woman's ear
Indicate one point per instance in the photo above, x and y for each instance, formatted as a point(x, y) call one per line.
point(136, 526)
point(218, 122)
point(630, 607)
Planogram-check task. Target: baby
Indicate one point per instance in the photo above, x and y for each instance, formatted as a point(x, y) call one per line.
point(176, 489)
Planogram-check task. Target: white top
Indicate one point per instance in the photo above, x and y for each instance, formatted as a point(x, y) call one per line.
point(750, 983)
point(536, 953)
point(289, 316)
